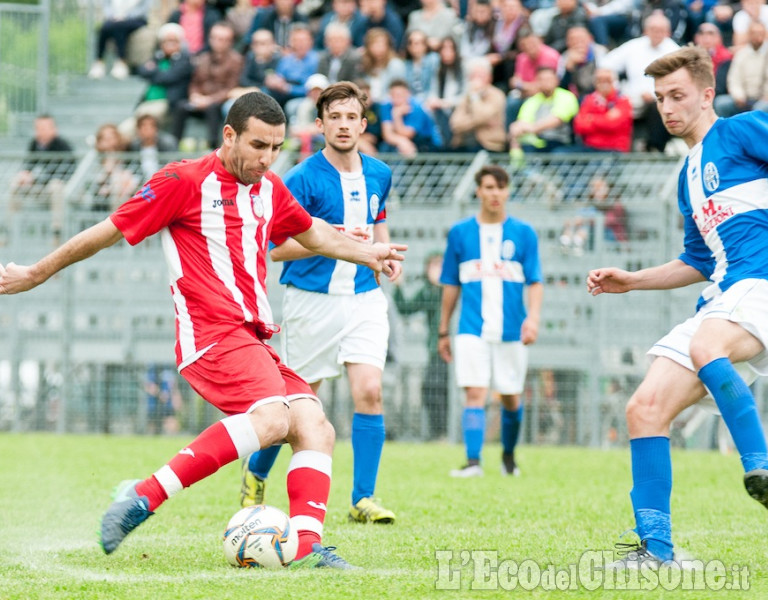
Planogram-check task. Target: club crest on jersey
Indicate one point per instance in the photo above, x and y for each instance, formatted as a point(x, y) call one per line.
point(258, 205)
point(374, 205)
point(507, 250)
point(711, 177)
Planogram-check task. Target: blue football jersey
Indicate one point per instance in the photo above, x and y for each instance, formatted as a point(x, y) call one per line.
point(723, 196)
point(346, 201)
point(491, 263)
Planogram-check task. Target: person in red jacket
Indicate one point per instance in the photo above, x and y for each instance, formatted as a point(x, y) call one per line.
point(604, 120)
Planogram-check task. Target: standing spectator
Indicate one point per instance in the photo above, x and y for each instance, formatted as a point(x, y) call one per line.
point(339, 61)
point(343, 12)
point(420, 64)
point(196, 18)
point(279, 19)
point(216, 73)
point(544, 120)
point(751, 11)
point(150, 142)
point(434, 382)
point(478, 120)
point(489, 260)
point(380, 63)
point(294, 67)
point(169, 74)
point(405, 125)
point(512, 18)
point(533, 55)
point(447, 87)
point(569, 14)
point(609, 20)
point(478, 30)
point(378, 14)
point(578, 63)
point(121, 19)
point(435, 19)
point(747, 77)
point(604, 120)
point(631, 58)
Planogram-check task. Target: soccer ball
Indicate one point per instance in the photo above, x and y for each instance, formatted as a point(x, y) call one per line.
point(260, 536)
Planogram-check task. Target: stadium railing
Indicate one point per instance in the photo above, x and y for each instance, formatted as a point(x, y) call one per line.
point(77, 353)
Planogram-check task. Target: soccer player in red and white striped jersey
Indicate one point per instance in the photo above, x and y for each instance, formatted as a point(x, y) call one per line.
point(216, 216)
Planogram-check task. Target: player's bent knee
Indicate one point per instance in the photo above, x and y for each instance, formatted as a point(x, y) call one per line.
point(271, 423)
point(645, 416)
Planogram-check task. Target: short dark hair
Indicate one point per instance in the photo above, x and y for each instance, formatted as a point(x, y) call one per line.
point(147, 117)
point(495, 171)
point(399, 83)
point(343, 90)
point(257, 105)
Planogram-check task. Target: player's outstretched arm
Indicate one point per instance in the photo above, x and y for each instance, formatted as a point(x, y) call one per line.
point(18, 278)
point(673, 274)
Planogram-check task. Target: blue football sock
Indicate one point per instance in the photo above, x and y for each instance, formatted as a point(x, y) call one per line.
point(260, 463)
point(510, 428)
point(367, 443)
point(651, 491)
point(473, 423)
point(737, 405)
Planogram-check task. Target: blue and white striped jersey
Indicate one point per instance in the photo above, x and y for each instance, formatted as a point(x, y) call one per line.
point(723, 196)
point(346, 201)
point(491, 263)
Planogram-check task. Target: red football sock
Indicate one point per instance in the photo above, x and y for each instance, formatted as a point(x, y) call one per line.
point(309, 484)
point(215, 447)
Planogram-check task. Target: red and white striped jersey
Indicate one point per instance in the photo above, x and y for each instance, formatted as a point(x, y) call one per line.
point(215, 233)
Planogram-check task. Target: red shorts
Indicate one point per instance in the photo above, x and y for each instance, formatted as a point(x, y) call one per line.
point(241, 371)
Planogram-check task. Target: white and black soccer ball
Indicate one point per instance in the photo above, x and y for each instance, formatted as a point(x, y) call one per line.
point(260, 536)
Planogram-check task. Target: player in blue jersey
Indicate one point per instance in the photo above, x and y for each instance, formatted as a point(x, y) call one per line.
point(334, 313)
point(489, 260)
point(723, 196)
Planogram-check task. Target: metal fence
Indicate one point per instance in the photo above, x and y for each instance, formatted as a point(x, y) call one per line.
point(91, 349)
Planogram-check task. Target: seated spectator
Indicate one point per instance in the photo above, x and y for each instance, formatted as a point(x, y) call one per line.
point(240, 16)
point(121, 19)
point(708, 36)
point(339, 61)
point(747, 77)
point(114, 183)
point(302, 112)
point(420, 64)
point(631, 59)
point(447, 87)
point(168, 74)
point(47, 167)
point(343, 12)
point(216, 73)
point(371, 137)
point(380, 64)
point(578, 63)
point(609, 20)
point(260, 60)
point(478, 30)
point(279, 19)
point(751, 11)
point(435, 19)
point(196, 19)
point(568, 14)
point(604, 120)
point(406, 127)
point(511, 20)
point(675, 12)
point(544, 120)
point(478, 120)
point(150, 142)
point(533, 55)
point(698, 12)
point(294, 67)
point(378, 14)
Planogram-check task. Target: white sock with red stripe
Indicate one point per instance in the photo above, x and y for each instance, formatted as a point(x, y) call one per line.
point(219, 445)
point(309, 483)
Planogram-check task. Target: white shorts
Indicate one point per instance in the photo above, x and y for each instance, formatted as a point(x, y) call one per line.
point(745, 303)
point(500, 366)
point(322, 332)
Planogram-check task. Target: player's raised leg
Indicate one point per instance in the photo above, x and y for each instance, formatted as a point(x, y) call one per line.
point(368, 434)
point(667, 389)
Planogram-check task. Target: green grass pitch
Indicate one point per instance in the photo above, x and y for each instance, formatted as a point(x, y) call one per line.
point(53, 490)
